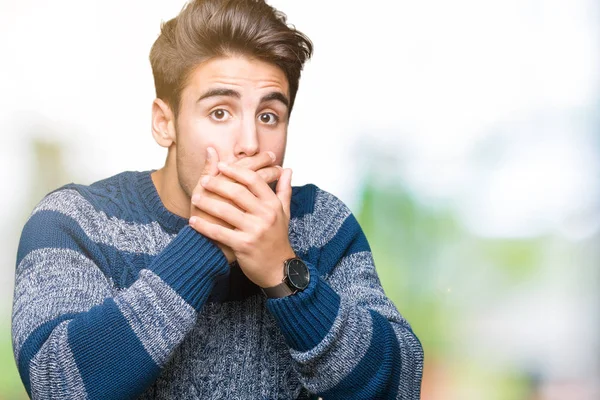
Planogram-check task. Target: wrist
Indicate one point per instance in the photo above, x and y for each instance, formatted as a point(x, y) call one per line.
point(274, 278)
point(276, 274)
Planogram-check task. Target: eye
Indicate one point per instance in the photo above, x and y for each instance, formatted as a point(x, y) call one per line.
point(220, 115)
point(268, 118)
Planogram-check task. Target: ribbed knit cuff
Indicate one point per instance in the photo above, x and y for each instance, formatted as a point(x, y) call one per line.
point(306, 317)
point(190, 264)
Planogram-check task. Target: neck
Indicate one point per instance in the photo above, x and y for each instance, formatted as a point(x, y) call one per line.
point(170, 192)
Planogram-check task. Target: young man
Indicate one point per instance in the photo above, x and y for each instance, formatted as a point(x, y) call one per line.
point(211, 277)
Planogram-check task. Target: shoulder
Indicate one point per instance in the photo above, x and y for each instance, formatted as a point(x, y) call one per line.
point(310, 201)
point(80, 217)
point(323, 230)
point(108, 196)
point(318, 218)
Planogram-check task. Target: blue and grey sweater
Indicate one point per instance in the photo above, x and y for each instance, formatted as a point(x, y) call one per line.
point(118, 298)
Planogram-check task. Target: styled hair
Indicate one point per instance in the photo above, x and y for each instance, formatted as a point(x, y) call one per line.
point(206, 29)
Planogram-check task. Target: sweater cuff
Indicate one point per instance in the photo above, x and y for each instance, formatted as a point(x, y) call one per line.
point(306, 317)
point(190, 264)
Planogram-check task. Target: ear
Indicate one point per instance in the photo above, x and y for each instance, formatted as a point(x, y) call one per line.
point(163, 123)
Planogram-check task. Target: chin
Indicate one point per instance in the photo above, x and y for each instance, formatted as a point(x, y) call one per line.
point(187, 189)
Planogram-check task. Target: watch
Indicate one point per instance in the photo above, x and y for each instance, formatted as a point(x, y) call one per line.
point(296, 277)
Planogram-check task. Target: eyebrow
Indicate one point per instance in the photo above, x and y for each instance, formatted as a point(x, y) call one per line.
point(219, 92)
point(278, 96)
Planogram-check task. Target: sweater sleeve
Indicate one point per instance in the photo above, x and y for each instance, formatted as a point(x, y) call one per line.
point(346, 337)
point(74, 334)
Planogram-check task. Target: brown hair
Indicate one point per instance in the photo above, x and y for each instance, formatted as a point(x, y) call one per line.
point(205, 29)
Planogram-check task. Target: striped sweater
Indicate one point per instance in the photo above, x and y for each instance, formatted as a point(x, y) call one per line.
point(118, 298)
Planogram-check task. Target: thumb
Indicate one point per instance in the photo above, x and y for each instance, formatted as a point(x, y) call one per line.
point(284, 190)
point(210, 162)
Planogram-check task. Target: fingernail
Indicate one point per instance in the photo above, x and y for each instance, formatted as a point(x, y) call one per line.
point(204, 180)
point(195, 199)
point(222, 165)
point(208, 154)
point(193, 220)
point(272, 155)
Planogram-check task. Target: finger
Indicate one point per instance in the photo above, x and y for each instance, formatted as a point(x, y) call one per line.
point(258, 161)
point(222, 210)
point(248, 178)
point(284, 190)
point(232, 191)
point(270, 174)
point(218, 233)
point(210, 162)
point(199, 213)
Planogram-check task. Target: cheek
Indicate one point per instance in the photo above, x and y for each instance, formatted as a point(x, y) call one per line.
point(198, 134)
point(276, 144)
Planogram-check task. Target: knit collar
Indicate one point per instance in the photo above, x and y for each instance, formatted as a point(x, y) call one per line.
point(149, 195)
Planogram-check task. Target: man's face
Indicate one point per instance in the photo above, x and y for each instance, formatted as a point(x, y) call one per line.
point(238, 106)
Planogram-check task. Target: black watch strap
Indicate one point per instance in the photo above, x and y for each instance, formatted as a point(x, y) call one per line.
point(279, 291)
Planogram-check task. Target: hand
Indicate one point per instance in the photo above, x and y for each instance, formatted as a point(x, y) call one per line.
point(261, 163)
point(258, 220)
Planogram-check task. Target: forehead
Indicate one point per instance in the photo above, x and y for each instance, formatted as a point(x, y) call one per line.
point(241, 73)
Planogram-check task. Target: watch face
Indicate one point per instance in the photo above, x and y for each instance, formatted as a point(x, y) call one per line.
point(297, 273)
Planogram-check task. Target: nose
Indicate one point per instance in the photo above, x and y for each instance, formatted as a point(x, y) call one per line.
point(247, 139)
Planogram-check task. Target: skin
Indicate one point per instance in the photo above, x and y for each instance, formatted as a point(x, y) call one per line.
point(224, 149)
